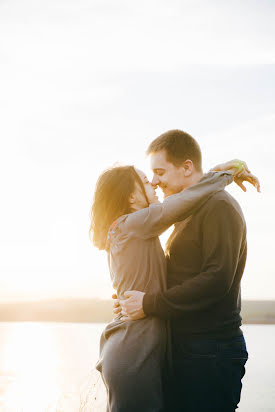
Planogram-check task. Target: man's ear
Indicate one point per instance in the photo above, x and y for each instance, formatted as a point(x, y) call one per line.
point(188, 167)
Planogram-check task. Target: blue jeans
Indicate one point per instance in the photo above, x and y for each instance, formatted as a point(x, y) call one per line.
point(207, 375)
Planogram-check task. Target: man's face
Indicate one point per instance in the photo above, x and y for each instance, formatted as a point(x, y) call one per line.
point(167, 176)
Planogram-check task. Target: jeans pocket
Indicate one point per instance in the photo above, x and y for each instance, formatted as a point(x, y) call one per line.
point(234, 349)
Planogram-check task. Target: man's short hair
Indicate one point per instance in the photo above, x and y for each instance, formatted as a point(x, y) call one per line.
point(179, 146)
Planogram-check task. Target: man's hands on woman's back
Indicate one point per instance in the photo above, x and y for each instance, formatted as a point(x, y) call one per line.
point(131, 307)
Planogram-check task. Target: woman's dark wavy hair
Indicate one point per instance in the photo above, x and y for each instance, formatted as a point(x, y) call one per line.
point(111, 200)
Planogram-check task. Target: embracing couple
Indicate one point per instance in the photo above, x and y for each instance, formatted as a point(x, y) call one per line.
point(176, 343)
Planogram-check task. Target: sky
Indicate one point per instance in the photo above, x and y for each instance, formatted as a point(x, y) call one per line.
point(85, 84)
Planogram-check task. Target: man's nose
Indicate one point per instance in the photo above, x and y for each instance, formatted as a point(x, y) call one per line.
point(155, 181)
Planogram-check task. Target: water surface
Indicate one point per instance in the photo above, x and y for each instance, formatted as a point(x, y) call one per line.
point(49, 367)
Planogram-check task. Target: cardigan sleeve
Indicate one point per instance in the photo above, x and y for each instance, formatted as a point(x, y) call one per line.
point(155, 219)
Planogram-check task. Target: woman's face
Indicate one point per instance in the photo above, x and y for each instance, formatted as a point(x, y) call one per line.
point(138, 198)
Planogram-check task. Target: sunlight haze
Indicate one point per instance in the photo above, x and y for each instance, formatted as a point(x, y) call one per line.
point(86, 84)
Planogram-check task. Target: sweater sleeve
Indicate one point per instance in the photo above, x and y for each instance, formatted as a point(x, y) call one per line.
point(155, 219)
point(223, 234)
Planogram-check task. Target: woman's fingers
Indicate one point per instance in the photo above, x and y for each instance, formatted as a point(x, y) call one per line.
point(252, 179)
point(245, 176)
point(241, 173)
point(242, 166)
point(239, 182)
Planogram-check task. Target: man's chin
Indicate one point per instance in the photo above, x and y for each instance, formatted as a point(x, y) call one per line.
point(155, 201)
point(166, 194)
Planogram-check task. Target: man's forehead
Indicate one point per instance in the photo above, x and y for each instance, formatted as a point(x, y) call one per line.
point(158, 160)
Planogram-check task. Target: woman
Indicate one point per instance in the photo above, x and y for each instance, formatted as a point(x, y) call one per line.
point(126, 222)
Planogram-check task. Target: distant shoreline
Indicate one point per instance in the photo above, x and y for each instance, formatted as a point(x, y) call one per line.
point(100, 311)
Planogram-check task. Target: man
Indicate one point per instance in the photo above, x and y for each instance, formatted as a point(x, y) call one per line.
point(206, 257)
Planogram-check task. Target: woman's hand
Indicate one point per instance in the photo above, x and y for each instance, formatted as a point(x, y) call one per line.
point(240, 172)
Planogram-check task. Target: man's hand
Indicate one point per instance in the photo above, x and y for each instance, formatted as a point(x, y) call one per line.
point(131, 306)
point(241, 173)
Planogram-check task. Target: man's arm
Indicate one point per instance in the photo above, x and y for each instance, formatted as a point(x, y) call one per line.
point(223, 233)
